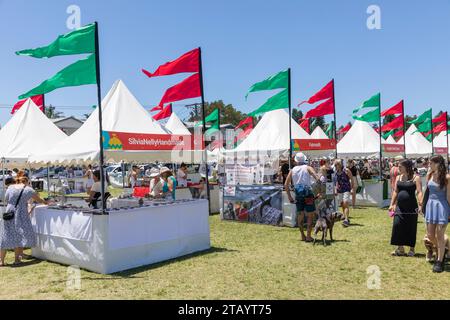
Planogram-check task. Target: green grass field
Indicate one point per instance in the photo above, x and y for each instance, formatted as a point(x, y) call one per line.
point(254, 262)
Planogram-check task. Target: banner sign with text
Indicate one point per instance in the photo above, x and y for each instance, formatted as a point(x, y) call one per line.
point(124, 141)
point(393, 148)
point(313, 144)
point(442, 151)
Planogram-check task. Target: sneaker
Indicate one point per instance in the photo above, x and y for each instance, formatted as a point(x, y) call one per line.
point(438, 267)
point(411, 253)
point(346, 223)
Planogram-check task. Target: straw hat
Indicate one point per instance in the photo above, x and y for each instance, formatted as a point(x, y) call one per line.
point(163, 170)
point(300, 158)
point(153, 173)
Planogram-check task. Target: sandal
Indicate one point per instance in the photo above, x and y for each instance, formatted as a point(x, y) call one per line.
point(309, 240)
point(398, 253)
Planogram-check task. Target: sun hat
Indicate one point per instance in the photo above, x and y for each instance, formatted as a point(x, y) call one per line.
point(153, 173)
point(300, 158)
point(399, 158)
point(163, 170)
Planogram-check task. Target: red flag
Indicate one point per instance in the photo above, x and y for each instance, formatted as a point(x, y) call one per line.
point(398, 134)
point(345, 129)
point(188, 88)
point(157, 108)
point(441, 127)
point(165, 113)
point(305, 125)
point(248, 121)
point(189, 62)
point(322, 109)
point(398, 108)
point(243, 134)
point(326, 92)
point(394, 124)
point(38, 100)
point(441, 118)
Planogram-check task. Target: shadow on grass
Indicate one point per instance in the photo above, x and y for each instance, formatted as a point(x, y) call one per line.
point(356, 225)
point(27, 263)
point(131, 272)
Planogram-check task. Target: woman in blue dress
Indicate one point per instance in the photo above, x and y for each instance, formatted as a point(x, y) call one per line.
point(18, 232)
point(437, 210)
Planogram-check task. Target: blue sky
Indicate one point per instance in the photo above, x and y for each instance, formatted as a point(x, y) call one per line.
point(242, 42)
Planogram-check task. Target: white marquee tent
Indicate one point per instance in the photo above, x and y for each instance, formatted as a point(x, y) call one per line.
point(121, 113)
point(390, 140)
point(441, 141)
point(416, 144)
point(318, 133)
point(175, 126)
point(360, 141)
point(29, 131)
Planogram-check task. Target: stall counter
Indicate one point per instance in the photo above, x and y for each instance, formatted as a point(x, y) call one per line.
point(123, 239)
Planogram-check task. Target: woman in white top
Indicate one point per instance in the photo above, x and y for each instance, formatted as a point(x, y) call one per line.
point(301, 177)
point(182, 176)
point(90, 179)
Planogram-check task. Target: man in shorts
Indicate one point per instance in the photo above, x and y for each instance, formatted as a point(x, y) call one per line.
point(300, 177)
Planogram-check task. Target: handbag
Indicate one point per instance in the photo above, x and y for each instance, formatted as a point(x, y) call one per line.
point(11, 211)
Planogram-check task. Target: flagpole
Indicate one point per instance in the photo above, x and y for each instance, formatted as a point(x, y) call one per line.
point(335, 123)
point(446, 127)
point(381, 146)
point(43, 103)
point(290, 117)
point(100, 118)
point(404, 129)
point(432, 135)
point(208, 192)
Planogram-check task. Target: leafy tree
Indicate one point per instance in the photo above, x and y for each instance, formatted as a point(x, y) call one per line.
point(297, 115)
point(51, 113)
point(228, 113)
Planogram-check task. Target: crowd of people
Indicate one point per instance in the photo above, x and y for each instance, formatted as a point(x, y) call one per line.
point(407, 200)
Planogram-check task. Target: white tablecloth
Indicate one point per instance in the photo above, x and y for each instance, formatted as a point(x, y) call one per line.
point(124, 239)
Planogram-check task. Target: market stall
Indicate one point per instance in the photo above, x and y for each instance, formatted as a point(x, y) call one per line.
point(132, 231)
point(124, 238)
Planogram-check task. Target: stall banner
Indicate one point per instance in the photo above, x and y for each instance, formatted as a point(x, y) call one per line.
point(244, 174)
point(442, 151)
point(254, 204)
point(313, 144)
point(393, 148)
point(125, 141)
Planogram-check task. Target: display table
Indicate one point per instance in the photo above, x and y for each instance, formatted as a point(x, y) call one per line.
point(123, 239)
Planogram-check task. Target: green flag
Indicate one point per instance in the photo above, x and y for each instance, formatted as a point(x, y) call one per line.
point(76, 42)
point(278, 101)
point(426, 116)
point(424, 127)
point(371, 103)
point(277, 81)
point(429, 137)
point(213, 117)
point(330, 130)
point(370, 116)
point(387, 134)
point(80, 73)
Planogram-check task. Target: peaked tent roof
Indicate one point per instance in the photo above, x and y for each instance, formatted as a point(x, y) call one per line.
point(441, 141)
point(121, 113)
point(272, 133)
point(318, 133)
point(29, 131)
point(360, 141)
point(416, 144)
point(176, 126)
point(390, 140)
